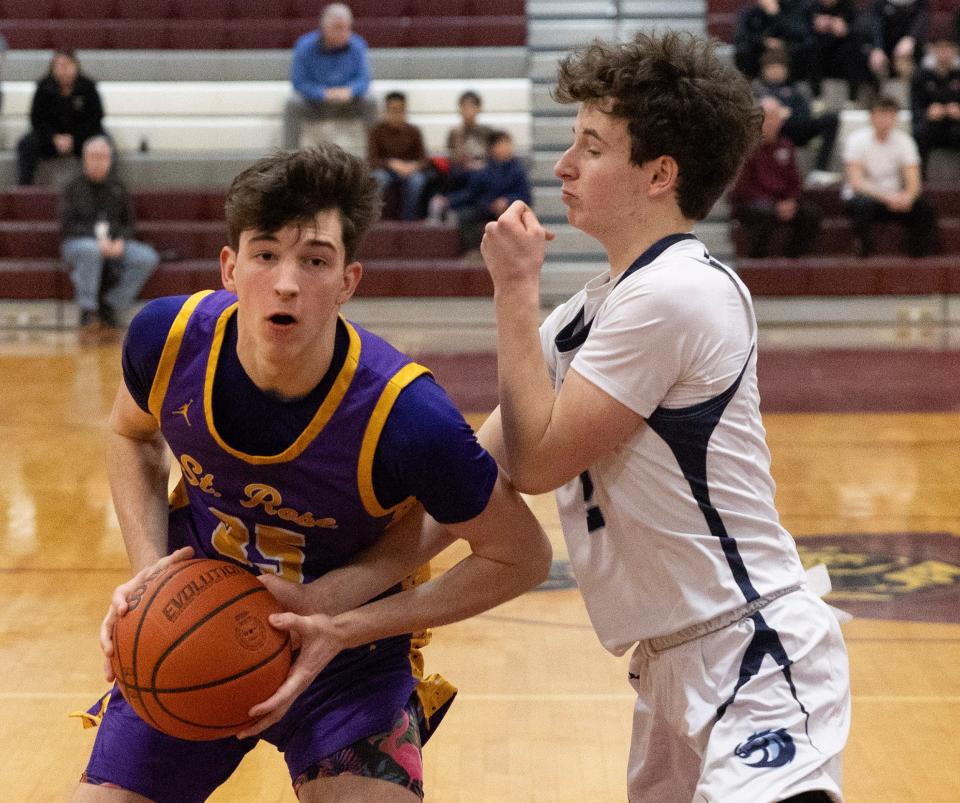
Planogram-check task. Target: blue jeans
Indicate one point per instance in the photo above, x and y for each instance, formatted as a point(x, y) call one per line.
point(411, 189)
point(87, 264)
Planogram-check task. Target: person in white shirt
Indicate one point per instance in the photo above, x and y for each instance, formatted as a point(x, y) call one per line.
point(637, 400)
point(882, 166)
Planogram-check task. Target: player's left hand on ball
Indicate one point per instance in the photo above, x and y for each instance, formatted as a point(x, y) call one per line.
point(119, 602)
point(319, 644)
point(514, 245)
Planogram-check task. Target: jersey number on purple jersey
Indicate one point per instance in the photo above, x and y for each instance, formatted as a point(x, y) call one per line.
point(279, 549)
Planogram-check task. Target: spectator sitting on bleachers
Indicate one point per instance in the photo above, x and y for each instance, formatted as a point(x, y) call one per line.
point(770, 25)
point(935, 98)
point(330, 73)
point(467, 143)
point(884, 183)
point(65, 112)
point(801, 124)
point(898, 31)
point(398, 158)
point(108, 266)
point(837, 51)
point(767, 194)
point(488, 193)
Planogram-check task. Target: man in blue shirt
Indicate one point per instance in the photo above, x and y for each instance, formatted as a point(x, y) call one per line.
point(330, 74)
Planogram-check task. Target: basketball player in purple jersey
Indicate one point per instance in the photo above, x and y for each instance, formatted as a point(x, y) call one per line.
point(307, 447)
point(637, 400)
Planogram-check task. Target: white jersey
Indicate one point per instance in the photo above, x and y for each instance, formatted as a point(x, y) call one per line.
point(882, 162)
point(678, 524)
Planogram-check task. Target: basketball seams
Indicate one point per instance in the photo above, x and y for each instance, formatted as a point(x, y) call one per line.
point(239, 604)
point(212, 613)
point(219, 681)
point(205, 726)
point(171, 573)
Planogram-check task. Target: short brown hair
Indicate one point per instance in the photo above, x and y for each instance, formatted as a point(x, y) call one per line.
point(294, 186)
point(887, 103)
point(775, 55)
point(678, 99)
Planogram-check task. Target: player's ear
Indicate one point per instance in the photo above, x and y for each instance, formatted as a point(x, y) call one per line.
point(665, 175)
point(351, 278)
point(228, 264)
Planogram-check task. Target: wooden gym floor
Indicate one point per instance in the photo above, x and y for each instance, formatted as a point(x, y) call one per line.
point(543, 713)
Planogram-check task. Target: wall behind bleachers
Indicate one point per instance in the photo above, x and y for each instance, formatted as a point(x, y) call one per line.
point(173, 24)
point(246, 116)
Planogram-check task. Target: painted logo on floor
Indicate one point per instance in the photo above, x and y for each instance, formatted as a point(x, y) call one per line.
point(909, 576)
point(905, 576)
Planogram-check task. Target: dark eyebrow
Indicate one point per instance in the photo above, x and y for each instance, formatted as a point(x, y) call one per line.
point(592, 132)
point(321, 244)
point(271, 238)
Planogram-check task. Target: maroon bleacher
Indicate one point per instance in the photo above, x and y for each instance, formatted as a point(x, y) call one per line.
point(226, 24)
point(187, 228)
point(832, 267)
point(836, 236)
point(850, 276)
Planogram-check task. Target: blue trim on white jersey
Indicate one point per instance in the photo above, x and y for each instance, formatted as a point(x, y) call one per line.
point(687, 432)
point(574, 334)
point(765, 641)
point(654, 251)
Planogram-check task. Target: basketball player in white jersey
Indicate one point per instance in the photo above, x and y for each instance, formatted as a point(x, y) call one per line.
point(638, 402)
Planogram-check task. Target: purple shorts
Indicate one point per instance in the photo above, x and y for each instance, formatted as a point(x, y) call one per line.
point(361, 693)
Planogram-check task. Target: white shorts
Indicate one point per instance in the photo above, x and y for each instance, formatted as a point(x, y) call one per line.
point(720, 719)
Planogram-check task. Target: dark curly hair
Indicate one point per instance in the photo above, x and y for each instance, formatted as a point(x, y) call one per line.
point(293, 186)
point(678, 99)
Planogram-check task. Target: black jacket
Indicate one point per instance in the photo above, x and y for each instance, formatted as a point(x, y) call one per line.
point(85, 202)
point(79, 114)
point(930, 86)
point(892, 21)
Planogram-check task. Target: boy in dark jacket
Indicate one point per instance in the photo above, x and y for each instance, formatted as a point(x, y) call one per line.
point(489, 191)
point(899, 30)
point(935, 99)
point(801, 125)
point(770, 25)
point(838, 44)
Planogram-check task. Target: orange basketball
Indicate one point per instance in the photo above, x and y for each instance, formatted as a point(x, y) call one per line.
point(195, 652)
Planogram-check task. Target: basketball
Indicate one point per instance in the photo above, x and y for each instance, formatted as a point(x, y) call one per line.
point(195, 652)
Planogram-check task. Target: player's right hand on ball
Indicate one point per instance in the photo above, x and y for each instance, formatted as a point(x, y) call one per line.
point(119, 602)
point(320, 643)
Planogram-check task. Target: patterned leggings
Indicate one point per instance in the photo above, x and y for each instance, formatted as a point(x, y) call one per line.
point(393, 756)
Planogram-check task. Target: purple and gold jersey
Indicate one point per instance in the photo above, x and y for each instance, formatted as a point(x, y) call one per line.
point(298, 513)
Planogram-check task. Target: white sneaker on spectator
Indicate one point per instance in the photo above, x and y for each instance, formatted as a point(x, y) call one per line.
point(821, 178)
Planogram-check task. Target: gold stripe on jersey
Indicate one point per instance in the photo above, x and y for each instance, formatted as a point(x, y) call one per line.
point(435, 692)
point(326, 410)
point(171, 348)
point(91, 719)
point(371, 437)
